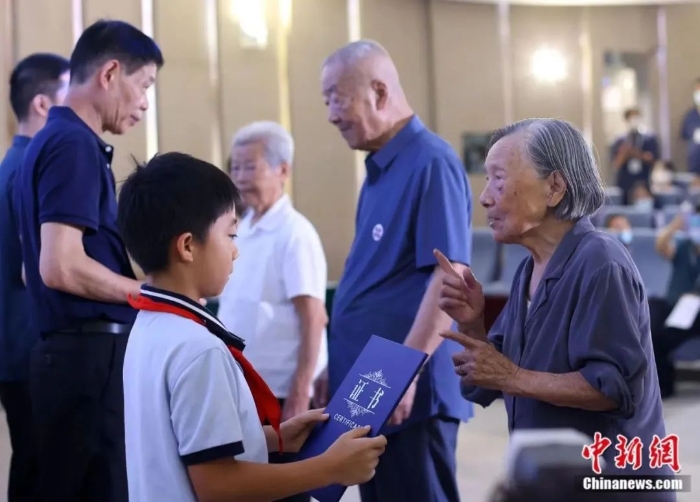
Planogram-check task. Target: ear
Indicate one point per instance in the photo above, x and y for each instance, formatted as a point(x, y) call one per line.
point(41, 104)
point(108, 73)
point(284, 170)
point(184, 248)
point(381, 94)
point(557, 189)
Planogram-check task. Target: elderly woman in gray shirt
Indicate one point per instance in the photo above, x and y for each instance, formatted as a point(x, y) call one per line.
point(572, 346)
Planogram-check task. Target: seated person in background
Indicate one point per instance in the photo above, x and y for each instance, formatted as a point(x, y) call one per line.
point(194, 406)
point(679, 242)
point(620, 226)
point(640, 197)
point(662, 176)
point(633, 155)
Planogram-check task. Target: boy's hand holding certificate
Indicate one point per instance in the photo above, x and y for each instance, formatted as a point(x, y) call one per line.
point(361, 406)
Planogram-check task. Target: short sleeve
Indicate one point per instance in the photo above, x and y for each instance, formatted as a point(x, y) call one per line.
point(304, 266)
point(203, 410)
point(444, 214)
point(605, 344)
point(68, 185)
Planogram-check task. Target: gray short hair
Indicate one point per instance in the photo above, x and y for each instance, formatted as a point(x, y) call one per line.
point(350, 54)
point(555, 145)
point(278, 143)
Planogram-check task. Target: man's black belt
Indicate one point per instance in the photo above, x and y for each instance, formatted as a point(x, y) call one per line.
point(102, 327)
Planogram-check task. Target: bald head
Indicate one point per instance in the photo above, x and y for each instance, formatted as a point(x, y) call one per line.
point(364, 61)
point(363, 93)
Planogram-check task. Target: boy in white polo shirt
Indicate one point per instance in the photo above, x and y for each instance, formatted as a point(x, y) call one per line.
point(193, 405)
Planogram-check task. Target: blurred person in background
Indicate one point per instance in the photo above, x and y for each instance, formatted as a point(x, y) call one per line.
point(275, 297)
point(690, 132)
point(662, 176)
point(641, 198)
point(37, 83)
point(633, 155)
point(678, 242)
point(572, 347)
point(620, 226)
point(415, 197)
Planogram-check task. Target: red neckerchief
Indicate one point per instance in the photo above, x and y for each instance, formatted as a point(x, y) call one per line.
point(267, 405)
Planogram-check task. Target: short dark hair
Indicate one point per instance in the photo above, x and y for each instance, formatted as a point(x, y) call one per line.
point(105, 40)
point(609, 218)
point(36, 74)
point(631, 111)
point(174, 193)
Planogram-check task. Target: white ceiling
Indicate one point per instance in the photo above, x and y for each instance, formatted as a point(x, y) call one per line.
point(581, 2)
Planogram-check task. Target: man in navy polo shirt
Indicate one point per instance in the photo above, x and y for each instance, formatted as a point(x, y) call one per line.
point(37, 83)
point(77, 269)
point(415, 198)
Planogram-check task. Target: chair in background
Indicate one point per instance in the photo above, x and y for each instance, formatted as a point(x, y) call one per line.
point(669, 212)
point(512, 256)
point(613, 196)
point(654, 269)
point(638, 218)
point(485, 249)
point(669, 197)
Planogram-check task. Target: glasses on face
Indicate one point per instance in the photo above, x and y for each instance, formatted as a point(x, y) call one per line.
point(245, 171)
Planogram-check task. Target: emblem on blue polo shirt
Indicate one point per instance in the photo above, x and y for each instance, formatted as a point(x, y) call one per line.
point(377, 232)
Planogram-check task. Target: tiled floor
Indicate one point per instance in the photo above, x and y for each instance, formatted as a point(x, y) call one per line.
point(483, 443)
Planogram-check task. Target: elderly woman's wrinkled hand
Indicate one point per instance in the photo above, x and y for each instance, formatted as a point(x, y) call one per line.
point(480, 364)
point(461, 296)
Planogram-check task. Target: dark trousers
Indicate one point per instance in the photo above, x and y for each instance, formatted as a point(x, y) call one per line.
point(22, 484)
point(418, 464)
point(665, 341)
point(78, 403)
point(277, 458)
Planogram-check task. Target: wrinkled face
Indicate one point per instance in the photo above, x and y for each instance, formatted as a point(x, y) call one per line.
point(352, 106)
point(127, 101)
point(252, 174)
point(515, 197)
point(214, 258)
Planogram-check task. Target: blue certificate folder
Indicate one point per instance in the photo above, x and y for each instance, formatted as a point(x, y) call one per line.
point(369, 394)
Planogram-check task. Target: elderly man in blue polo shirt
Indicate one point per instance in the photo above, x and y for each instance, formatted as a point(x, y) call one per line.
point(78, 272)
point(37, 83)
point(415, 198)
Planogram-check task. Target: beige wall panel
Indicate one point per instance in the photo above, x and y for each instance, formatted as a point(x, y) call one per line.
point(7, 61)
point(468, 77)
point(249, 77)
point(187, 99)
point(325, 186)
point(133, 143)
point(556, 28)
point(401, 26)
point(639, 36)
point(43, 26)
point(683, 69)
